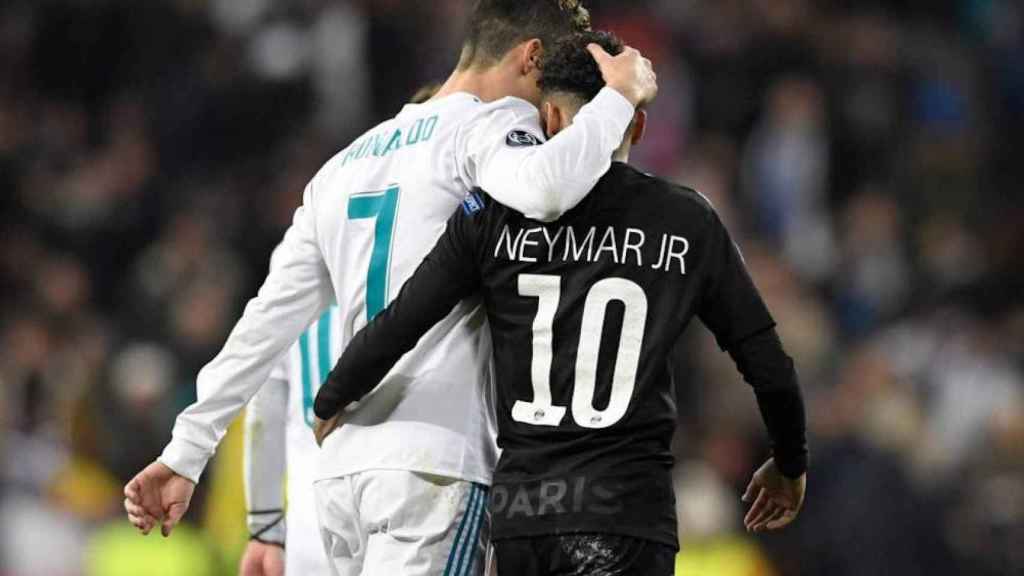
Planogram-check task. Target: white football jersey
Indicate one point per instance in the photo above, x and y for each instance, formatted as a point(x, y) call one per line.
point(368, 218)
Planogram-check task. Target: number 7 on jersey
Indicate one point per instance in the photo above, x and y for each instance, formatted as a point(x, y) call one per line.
point(382, 205)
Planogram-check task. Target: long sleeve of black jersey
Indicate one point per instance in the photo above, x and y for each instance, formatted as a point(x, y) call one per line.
point(770, 371)
point(449, 274)
point(732, 308)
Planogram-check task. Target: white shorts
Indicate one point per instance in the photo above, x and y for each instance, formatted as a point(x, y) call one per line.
point(304, 553)
point(399, 523)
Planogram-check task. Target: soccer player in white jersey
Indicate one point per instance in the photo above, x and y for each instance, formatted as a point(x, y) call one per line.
point(278, 439)
point(402, 483)
point(278, 444)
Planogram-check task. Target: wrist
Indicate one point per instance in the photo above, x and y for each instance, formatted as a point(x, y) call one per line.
point(184, 459)
point(791, 465)
point(267, 526)
point(627, 93)
point(265, 542)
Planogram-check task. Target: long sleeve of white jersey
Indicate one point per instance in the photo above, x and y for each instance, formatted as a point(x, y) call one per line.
point(501, 154)
point(296, 291)
point(265, 460)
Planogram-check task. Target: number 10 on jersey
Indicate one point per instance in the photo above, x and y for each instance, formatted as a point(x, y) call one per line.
point(547, 289)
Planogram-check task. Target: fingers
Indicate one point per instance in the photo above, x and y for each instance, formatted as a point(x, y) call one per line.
point(629, 52)
point(598, 52)
point(174, 514)
point(772, 513)
point(757, 510)
point(778, 500)
point(629, 73)
point(138, 517)
point(323, 428)
point(251, 565)
point(147, 494)
point(603, 57)
point(782, 521)
point(141, 524)
point(131, 490)
point(769, 513)
point(274, 564)
point(751, 492)
point(134, 509)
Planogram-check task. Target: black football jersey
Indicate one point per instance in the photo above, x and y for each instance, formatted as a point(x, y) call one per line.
point(583, 314)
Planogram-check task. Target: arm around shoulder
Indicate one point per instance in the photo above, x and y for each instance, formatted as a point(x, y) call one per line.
point(543, 180)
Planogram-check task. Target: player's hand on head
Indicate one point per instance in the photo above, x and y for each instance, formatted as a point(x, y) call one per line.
point(157, 496)
point(629, 73)
point(262, 559)
point(776, 499)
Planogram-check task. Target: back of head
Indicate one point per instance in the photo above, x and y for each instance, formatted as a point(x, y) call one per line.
point(570, 77)
point(569, 69)
point(498, 26)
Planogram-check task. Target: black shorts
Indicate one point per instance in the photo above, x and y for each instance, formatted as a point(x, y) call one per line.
point(584, 555)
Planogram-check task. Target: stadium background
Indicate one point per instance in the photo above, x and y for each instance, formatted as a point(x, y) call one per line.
point(867, 153)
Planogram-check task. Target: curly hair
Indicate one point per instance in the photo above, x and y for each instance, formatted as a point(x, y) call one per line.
point(570, 67)
point(497, 26)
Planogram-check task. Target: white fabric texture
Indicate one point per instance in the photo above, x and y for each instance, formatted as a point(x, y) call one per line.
point(384, 523)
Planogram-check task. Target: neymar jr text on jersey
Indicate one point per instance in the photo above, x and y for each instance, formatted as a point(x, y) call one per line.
point(592, 244)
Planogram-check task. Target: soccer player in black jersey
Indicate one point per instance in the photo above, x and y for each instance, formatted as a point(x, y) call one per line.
point(584, 312)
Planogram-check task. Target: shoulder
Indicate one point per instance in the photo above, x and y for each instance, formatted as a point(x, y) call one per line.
point(661, 192)
point(509, 105)
point(514, 118)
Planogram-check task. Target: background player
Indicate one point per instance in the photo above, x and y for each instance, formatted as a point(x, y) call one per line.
point(583, 314)
point(278, 439)
point(368, 218)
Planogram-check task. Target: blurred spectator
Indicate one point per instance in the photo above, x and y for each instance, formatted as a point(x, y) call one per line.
point(786, 174)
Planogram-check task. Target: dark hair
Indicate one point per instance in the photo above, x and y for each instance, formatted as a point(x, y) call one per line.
point(497, 26)
point(569, 66)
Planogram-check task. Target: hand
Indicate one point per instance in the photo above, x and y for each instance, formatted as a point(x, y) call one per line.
point(157, 495)
point(262, 559)
point(323, 428)
point(629, 73)
point(777, 499)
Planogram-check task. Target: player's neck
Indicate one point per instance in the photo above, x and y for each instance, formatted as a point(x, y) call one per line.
point(488, 84)
point(622, 154)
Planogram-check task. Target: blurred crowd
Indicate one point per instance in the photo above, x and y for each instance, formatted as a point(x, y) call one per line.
point(865, 153)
